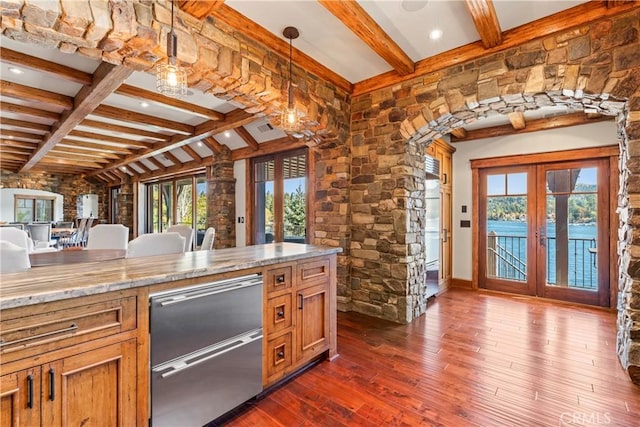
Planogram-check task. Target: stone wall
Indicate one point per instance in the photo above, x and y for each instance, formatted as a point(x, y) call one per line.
point(221, 199)
point(70, 186)
point(595, 68)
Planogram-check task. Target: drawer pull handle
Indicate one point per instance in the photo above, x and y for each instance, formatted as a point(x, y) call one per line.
point(30, 391)
point(280, 314)
point(300, 301)
point(71, 327)
point(52, 384)
point(280, 278)
point(281, 354)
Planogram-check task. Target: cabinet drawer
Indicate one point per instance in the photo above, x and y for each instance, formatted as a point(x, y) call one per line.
point(47, 331)
point(279, 356)
point(278, 279)
point(279, 314)
point(312, 272)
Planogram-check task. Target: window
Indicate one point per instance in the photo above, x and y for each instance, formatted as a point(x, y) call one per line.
point(280, 198)
point(178, 201)
point(33, 209)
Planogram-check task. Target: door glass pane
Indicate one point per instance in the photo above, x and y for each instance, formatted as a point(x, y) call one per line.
point(264, 188)
point(184, 200)
point(201, 209)
point(166, 205)
point(154, 201)
point(507, 225)
point(295, 198)
point(24, 210)
point(571, 228)
point(44, 210)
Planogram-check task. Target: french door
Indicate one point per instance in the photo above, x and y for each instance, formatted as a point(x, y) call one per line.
point(543, 230)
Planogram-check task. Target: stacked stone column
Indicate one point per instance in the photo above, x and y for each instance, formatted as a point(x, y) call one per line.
point(221, 199)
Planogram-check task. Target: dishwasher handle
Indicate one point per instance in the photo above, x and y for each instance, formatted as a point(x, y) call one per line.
point(188, 296)
point(184, 363)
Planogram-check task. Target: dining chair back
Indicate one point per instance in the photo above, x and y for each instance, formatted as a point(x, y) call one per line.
point(208, 239)
point(156, 244)
point(185, 231)
point(17, 225)
point(13, 258)
point(41, 235)
point(108, 236)
point(15, 236)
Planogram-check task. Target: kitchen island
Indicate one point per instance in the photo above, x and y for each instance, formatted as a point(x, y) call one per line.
point(75, 340)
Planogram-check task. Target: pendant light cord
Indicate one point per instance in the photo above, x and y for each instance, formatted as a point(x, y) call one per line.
point(290, 68)
point(172, 16)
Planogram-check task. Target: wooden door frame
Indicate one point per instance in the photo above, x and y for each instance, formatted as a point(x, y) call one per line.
point(611, 152)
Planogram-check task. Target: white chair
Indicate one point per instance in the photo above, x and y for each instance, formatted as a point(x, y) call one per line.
point(156, 244)
point(13, 258)
point(21, 238)
point(41, 235)
point(185, 231)
point(208, 239)
point(108, 236)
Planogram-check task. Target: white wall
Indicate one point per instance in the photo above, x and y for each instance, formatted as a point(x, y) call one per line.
point(7, 212)
point(239, 173)
point(591, 135)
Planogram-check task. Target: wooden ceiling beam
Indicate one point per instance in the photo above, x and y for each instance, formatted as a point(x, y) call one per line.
point(94, 146)
point(354, 17)
point(138, 118)
point(85, 153)
point(459, 132)
point(147, 95)
point(486, 21)
point(24, 124)
point(212, 145)
point(191, 152)
point(69, 162)
point(20, 136)
point(247, 138)
point(285, 143)
point(56, 154)
point(171, 157)
point(125, 142)
point(106, 78)
point(250, 29)
point(575, 119)
point(199, 8)
point(17, 150)
point(26, 93)
point(124, 129)
point(157, 163)
point(577, 16)
point(11, 156)
point(43, 66)
point(29, 111)
point(145, 168)
point(517, 120)
point(176, 170)
point(19, 144)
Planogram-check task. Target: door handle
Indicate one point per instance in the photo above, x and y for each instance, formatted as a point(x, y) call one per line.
point(52, 384)
point(543, 237)
point(30, 391)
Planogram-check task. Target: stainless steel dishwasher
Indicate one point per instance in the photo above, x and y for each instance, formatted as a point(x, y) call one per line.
point(206, 350)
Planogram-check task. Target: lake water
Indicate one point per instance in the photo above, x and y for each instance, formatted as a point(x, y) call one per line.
point(511, 259)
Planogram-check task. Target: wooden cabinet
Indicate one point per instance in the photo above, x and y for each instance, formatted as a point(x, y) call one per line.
point(443, 152)
point(71, 362)
point(298, 315)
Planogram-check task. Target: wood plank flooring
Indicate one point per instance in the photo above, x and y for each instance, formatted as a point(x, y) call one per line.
point(474, 359)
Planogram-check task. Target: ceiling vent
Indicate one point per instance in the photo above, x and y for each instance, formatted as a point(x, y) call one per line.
point(265, 127)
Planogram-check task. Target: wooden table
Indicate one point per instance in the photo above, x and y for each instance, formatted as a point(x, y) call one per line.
point(62, 232)
point(74, 256)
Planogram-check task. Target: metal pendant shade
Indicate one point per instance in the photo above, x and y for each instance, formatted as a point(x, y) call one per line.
point(171, 79)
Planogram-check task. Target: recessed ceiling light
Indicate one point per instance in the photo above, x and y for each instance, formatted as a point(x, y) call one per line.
point(10, 137)
point(122, 168)
point(413, 5)
point(435, 34)
point(15, 70)
point(199, 143)
point(227, 134)
point(144, 104)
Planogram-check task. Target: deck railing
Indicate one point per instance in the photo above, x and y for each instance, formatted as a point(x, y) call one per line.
point(507, 259)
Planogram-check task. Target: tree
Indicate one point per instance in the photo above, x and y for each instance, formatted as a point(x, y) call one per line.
point(295, 212)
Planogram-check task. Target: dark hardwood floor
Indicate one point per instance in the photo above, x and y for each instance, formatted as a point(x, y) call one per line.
point(474, 359)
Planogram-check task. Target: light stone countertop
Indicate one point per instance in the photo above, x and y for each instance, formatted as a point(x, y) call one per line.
point(56, 282)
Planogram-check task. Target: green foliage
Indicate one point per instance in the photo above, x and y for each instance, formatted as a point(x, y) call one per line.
point(295, 205)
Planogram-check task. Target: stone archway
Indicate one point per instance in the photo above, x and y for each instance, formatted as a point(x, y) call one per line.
point(595, 67)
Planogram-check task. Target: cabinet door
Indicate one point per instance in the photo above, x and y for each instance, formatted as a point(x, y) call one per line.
point(312, 325)
point(20, 398)
point(93, 388)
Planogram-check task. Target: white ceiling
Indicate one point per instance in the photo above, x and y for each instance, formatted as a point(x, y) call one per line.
point(408, 22)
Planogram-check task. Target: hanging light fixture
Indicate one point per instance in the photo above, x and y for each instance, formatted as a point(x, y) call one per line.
point(171, 80)
point(290, 120)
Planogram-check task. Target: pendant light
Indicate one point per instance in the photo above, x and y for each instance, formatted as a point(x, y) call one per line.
point(171, 80)
point(290, 120)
